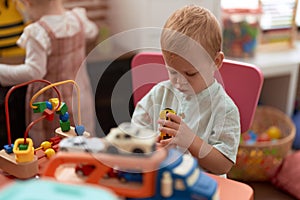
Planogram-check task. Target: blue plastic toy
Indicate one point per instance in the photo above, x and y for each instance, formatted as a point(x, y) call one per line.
point(296, 120)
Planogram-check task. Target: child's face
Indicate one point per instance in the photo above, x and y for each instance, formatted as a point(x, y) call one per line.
point(184, 76)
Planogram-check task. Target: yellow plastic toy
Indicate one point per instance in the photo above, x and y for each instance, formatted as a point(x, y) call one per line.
point(24, 151)
point(163, 115)
point(11, 27)
point(274, 132)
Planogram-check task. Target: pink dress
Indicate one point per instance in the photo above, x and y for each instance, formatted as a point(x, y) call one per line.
point(66, 61)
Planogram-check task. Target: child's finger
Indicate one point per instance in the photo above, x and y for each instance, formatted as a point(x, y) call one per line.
point(167, 130)
point(168, 123)
point(159, 145)
point(161, 121)
point(166, 141)
point(158, 138)
point(175, 118)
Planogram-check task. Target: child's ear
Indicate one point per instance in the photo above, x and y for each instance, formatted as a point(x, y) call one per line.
point(219, 59)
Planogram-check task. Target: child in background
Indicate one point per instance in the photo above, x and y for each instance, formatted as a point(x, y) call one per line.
point(55, 50)
point(11, 28)
point(208, 123)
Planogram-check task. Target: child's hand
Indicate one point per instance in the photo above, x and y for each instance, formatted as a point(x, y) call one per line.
point(183, 136)
point(166, 143)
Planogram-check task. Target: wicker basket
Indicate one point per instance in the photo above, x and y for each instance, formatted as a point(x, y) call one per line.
point(259, 161)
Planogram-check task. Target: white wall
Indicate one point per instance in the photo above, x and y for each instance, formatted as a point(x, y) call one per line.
point(130, 14)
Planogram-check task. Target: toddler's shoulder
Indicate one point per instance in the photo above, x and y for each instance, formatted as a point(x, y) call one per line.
point(35, 32)
point(81, 12)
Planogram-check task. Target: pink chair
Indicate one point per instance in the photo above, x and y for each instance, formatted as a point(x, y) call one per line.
point(242, 81)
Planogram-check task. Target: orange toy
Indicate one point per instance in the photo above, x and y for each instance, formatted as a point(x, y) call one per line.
point(61, 167)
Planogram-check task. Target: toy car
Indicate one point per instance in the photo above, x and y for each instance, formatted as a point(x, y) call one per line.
point(82, 144)
point(129, 139)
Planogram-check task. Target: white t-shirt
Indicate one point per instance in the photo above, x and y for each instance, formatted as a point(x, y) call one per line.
point(38, 46)
point(211, 114)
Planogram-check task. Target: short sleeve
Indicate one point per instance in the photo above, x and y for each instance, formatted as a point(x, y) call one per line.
point(226, 135)
point(141, 115)
point(36, 32)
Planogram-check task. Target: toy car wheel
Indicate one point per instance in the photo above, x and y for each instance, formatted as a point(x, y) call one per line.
point(63, 149)
point(112, 150)
point(123, 180)
point(79, 173)
point(88, 150)
point(138, 151)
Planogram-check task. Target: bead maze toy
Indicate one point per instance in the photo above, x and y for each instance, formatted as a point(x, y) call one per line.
point(21, 158)
point(65, 129)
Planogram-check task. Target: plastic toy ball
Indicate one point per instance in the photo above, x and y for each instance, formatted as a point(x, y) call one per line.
point(264, 137)
point(274, 132)
point(46, 145)
point(64, 117)
point(246, 136)
point(49, 153)
point(49, 105)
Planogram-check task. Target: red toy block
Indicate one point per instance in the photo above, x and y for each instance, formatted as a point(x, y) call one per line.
point(49, 114)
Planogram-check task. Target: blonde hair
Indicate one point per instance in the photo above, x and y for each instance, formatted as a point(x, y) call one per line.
point(192, 22)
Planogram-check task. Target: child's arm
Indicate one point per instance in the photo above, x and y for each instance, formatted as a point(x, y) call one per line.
point(212, 159)
point(208, 157)
point(34, 67)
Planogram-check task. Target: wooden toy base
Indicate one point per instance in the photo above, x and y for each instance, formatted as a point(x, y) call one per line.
point(70, 133)
point(19, 170)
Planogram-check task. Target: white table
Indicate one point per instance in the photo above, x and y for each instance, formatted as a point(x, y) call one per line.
point(280, 69)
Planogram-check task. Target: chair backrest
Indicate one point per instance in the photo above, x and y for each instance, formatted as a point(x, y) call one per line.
point(242, 82)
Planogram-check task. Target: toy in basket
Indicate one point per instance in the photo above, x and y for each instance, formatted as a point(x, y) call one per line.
point(264, 146)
